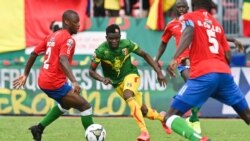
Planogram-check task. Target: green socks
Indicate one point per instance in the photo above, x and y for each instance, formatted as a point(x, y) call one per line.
point(86, 121)
point(181, 127)
point(56, 111)
point(53, 114)
point(194, 116)
point(86, 118)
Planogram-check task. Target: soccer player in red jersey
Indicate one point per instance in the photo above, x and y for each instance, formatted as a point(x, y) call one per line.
point(58, 48)
point(210, 74)
point(174, 28)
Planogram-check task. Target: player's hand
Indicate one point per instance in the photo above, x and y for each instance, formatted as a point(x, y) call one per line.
point(239, 46)
point(161, 79)
point(19, 82)
point(171, 68)
point(76, 88)
point(106, 81)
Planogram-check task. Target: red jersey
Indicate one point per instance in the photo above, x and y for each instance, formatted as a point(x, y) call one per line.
point(51, 75)
point(207, 51)
point(174, 28)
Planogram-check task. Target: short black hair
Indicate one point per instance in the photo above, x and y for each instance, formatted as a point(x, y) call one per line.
point(113, 28)
point(68, 13)
point(207, 4)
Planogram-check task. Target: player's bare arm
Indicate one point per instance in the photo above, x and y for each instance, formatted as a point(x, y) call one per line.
point(68, 72)
point(161, 50)
point(19, 82)
point(150, 61)
point(96, 76)
point(228, 56)
point(186, 39)
point(237, 43)
point(227, 52)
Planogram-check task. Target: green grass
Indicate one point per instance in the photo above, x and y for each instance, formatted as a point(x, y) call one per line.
point(118, 129)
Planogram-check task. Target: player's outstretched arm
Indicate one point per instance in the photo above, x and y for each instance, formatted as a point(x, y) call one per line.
point(185, 41)
point(20, 81)
point(161, 79)
point(237, 44)
point(68, 72)
point(96, 76)
point(161, 50)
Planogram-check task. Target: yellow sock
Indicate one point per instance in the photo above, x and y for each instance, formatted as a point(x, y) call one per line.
point(137, 114)
point(154, 115)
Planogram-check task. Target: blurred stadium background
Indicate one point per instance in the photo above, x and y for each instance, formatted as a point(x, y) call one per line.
point(26, 22)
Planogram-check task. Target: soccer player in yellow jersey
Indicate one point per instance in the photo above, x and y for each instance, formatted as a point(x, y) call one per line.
point(115, 59)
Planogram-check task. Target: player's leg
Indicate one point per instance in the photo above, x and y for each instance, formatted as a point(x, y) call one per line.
point(194, 93)
point(193, 120)
point(72, 100)
point(243, 110)
point(50, 117)
point(54, 113)
point(180, 126)
point(135, 110)
point(230, 94)
point(127, 90)
point(150, 113)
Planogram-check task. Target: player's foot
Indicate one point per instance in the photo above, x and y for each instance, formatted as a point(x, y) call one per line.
point(194, 125)
point(165, 127)
point(144, 136)
point(36, 132)
point(205, 139)
point(197, 127)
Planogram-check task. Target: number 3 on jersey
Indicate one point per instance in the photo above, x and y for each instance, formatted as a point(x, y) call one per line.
point(45, 63)
point(214, 48)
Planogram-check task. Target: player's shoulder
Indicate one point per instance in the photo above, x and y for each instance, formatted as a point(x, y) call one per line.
point(187, 16)
point(102, 47)
point(62, 32)
point(125, 43)
point(63, 35)
point(172, 23)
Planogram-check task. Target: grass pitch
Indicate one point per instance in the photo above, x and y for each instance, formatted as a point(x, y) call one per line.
point(118, 129)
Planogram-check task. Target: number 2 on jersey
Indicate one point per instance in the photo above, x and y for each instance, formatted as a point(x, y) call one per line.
point(212, 39)
point(45, 63)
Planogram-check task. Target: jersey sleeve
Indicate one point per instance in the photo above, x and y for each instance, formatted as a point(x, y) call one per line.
point(166, 34)
point(133, 47)
point(186, 21)
point(67, 47)
point(97, 56)
point(41, 48)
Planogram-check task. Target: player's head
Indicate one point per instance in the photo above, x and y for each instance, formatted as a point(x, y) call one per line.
point(204, 4)
point(113, 35)
point(71, 21)
point(181, 7)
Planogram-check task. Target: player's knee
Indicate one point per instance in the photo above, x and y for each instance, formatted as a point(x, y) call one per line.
point(169, 119)
point(86, 112)
point(84, 104)
point(63, 108)
point(127, 94)
point(144, 110)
